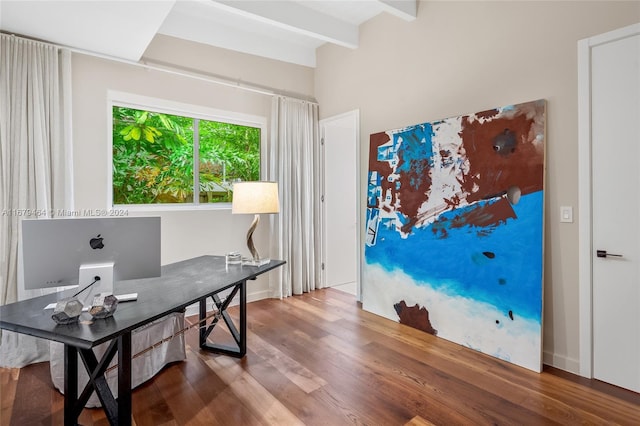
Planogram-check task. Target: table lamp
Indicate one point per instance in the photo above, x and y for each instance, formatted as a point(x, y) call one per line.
point(255, 198)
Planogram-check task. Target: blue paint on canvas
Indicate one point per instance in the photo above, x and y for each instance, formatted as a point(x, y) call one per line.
point(457, 266)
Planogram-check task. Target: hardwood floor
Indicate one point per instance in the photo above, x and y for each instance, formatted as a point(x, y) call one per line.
point(318, 359)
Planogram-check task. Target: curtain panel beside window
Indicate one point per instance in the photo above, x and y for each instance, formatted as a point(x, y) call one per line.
point(35, 163)
point(294, 155)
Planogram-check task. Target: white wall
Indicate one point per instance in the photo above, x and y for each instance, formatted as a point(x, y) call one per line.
point(463, 57)
point(185, 234)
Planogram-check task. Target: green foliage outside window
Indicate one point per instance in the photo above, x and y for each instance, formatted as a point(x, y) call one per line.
point(153, 157)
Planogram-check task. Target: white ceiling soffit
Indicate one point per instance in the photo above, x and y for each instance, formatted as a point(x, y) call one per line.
point(121, 29)
point(201, 22)
point(287, 30)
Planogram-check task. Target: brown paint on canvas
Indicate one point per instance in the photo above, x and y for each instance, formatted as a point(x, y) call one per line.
point(490, 113)
point(482, 216)
point(414, 187)
point(493, 172)
point(382, 167)
point(414, 316)
point(491, 214)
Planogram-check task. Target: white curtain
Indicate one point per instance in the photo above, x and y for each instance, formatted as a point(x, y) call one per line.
point(35, 163)
point(294, 154)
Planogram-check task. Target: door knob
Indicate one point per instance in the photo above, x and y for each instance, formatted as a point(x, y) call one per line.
point(603, 253)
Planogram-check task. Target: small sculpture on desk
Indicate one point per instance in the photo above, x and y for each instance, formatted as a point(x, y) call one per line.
point(67, 311)
point(233, 258)
point(103, 305)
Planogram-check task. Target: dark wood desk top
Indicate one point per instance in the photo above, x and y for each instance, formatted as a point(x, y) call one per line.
point(180, 285)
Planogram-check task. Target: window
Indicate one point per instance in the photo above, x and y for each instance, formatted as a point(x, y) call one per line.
point(160, 157)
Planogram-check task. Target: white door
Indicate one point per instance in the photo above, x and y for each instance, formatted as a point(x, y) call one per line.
point(615, 140)
point(340, 207)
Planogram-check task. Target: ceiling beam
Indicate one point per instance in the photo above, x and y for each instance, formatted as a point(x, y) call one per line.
point(226, 35)
point(295, 17)
point(405, 9)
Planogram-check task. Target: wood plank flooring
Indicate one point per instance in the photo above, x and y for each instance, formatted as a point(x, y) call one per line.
point(318, 359)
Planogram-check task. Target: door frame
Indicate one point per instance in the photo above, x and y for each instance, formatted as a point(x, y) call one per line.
point(585, 241)
point(356, 116)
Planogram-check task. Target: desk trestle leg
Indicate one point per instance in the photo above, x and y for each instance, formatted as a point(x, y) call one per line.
point(71, 411)
point(117, 412)
point(240, 336)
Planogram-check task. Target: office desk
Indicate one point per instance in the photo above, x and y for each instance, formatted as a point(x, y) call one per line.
point(180, 285)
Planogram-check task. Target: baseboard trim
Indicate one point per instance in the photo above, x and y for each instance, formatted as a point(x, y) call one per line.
point(562, 362)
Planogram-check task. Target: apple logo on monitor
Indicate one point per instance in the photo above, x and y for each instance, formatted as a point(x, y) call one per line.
point(96, 243)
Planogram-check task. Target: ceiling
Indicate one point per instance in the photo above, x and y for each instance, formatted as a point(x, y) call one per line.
point(286, 30)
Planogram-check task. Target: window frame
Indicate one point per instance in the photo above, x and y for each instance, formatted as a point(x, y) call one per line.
point(129, 100)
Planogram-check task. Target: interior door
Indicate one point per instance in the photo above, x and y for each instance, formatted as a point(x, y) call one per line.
point(615, 130)
point(340, 207)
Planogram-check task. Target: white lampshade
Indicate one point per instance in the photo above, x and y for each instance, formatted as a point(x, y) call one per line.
point(255, 197)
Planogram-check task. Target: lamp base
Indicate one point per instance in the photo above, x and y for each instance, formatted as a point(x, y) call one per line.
point(255, 262)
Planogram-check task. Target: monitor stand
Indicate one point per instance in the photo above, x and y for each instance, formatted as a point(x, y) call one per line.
point(88, 273)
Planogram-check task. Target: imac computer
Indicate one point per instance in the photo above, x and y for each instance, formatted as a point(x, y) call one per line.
point(77, 251)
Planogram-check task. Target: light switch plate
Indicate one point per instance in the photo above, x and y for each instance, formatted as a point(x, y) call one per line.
point(566, 214)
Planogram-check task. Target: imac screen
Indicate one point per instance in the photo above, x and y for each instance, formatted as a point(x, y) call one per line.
point(53, 250)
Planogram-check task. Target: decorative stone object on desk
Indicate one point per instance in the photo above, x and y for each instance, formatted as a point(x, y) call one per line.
point(233, 258)
point(67, 311)
point(103, 305)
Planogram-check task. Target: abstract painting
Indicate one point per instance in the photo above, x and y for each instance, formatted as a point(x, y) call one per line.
point(454, 236)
